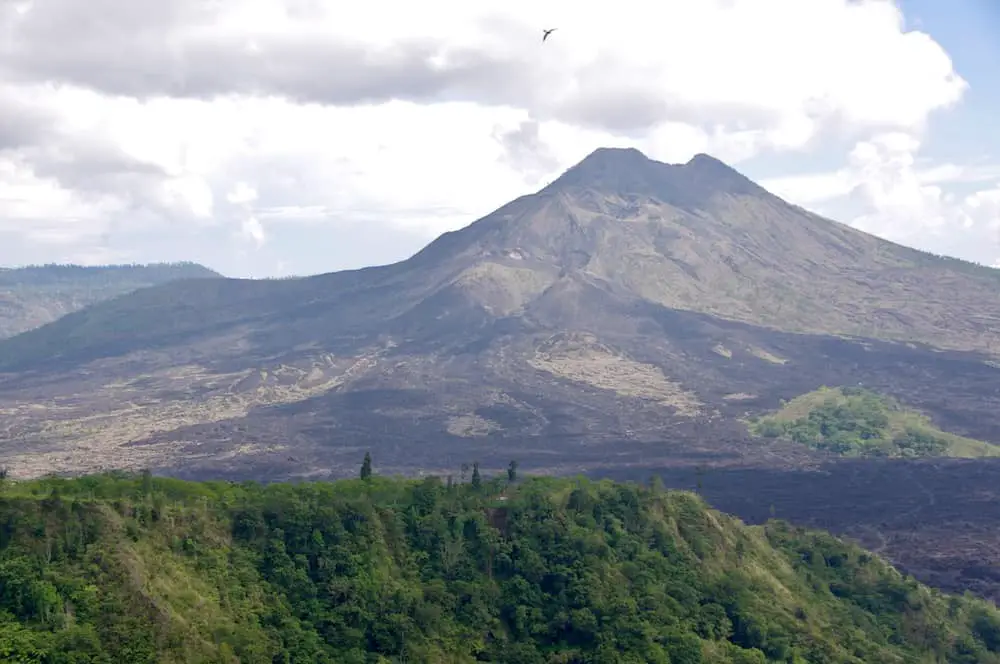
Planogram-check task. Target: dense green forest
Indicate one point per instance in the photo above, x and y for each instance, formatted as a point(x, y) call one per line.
point(121, 569)
point(852, 421)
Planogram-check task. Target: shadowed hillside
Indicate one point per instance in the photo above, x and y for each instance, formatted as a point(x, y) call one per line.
point(33, 296)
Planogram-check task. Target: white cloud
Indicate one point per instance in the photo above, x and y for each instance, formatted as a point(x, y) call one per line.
point(984, 207)
point(238, 115)
point(899, 206)
point(987, 203)
point(242, 193)
point(892, 196)
point(252, 228)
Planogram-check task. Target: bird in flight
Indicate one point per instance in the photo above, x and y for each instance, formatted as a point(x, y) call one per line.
point(546, 33)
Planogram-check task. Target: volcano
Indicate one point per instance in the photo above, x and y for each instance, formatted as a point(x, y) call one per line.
point(630, 311)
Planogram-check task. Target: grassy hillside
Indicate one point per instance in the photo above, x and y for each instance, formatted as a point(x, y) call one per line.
point(118, 569)
point(38, 294)
point(858, 422)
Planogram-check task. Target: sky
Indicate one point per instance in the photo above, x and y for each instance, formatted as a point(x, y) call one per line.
point(288, 137)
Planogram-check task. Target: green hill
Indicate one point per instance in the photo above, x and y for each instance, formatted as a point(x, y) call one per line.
point(140, 569)
point(852, 421)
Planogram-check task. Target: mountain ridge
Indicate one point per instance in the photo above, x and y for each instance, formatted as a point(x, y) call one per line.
point(760, 233)
point(629, 171)
point(33, 295)
point(559, 229)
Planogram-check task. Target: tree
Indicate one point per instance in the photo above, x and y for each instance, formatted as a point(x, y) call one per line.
point(147, 482)
point(512, 472)
point(477, 481)
point(464, 471)
point(366, 467)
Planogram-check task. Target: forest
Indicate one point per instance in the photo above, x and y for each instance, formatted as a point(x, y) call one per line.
point(852, 421)
point(123, 568)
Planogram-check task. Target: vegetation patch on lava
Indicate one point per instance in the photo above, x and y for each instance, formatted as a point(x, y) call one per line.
point(852, 421)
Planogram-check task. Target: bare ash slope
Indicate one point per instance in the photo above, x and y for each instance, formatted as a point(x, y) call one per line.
point(701, 237)
point(629, 301)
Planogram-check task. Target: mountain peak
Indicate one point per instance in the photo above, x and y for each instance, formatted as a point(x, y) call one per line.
point(616, 156)
point(628, 171)
point(702, 160)
point(715, 172)
point(610, 169)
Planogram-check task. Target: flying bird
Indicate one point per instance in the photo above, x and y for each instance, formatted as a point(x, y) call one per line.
point(548, 32)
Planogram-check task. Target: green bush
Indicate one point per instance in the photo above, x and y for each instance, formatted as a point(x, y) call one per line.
point(854, 422)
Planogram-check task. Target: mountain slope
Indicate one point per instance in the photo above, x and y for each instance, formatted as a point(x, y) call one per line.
point(699, 237)
point(33, 296)
point(629, 301)
point(121, 569)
